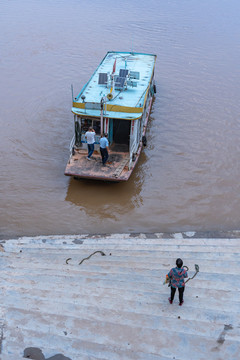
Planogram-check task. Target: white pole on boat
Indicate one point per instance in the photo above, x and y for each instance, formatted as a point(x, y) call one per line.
point(113, 81)
point(102, 116)
point(104, 105)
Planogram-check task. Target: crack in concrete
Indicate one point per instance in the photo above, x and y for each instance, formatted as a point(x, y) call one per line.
point(221, 337)
point(1, 337)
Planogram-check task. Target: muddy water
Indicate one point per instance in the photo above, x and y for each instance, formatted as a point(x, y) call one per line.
point(188, 175)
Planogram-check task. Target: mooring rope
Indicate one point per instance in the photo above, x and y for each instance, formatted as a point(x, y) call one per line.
point(197, 270)
point(95, 252)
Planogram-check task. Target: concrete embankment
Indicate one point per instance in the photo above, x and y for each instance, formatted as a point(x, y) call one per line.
point(116, 306)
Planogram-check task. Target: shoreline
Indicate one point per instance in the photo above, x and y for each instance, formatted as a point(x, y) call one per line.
point(215, 234)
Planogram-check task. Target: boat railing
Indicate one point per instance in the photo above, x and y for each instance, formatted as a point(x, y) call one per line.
point(133, 150)
point(72, 145)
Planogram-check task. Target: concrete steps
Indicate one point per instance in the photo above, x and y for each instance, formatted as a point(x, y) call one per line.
point(115, 306)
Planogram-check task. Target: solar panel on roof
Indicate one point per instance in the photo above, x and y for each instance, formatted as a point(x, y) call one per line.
point(102, 78)
point(134, 75)
point(132, 83)
point(123, 72)
point(119, 82)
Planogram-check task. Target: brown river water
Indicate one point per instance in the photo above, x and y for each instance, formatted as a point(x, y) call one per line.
point(188, 175)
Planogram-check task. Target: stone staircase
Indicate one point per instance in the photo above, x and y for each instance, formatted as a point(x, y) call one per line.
point(115, 306)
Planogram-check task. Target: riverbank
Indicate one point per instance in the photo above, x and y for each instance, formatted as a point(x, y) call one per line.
point(115, 306)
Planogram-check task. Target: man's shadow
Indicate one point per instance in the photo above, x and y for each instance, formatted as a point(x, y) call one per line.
point(36, 354)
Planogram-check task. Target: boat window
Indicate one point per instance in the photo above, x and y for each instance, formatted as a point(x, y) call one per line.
point(87, 123)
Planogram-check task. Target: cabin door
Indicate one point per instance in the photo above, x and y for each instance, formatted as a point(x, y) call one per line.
point(110, 131)
point(121, 131)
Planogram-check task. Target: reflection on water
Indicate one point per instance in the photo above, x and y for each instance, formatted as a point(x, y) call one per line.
point(188, 175)
point(107, 200)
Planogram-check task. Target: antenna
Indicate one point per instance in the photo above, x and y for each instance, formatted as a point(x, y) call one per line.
point(132, 42)
point(72, 91)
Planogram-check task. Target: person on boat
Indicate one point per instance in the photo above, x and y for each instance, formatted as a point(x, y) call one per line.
point(90, 136)
point(176, 276)
point(104, 148)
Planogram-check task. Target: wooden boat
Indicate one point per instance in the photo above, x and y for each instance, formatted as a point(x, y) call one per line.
point(116, 100)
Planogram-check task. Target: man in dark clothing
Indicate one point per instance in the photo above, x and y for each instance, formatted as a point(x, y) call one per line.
point(176, 276)
point(104, 148)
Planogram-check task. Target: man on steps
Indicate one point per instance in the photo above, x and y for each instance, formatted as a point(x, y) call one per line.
point(176, 276)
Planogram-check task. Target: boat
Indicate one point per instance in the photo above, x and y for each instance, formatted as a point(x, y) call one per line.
point(116, 101)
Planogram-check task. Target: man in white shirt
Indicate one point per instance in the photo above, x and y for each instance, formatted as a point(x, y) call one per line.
point(90, 136)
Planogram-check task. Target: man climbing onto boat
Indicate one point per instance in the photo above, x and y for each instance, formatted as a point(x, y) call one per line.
point(176, 276)
point(104, 148)
point(90, 136)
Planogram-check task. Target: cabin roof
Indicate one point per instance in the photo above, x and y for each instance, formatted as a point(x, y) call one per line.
point(128, 92)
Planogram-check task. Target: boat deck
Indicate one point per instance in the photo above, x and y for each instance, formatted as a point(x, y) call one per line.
point(115, 169)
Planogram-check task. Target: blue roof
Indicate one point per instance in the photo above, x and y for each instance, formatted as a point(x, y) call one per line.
point(126, 100)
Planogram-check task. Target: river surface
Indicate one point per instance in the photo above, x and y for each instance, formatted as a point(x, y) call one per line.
point(188, 175)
